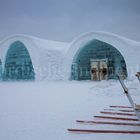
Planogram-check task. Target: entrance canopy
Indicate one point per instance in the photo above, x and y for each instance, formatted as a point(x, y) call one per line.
point(120, 53)
point(93, 50)
point(18, 64)
point(28, 57)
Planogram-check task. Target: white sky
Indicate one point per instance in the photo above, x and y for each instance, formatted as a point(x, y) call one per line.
point(65, 19)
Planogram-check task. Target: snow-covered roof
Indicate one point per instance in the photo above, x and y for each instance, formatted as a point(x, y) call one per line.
point(129, 49)
point(41, 51)
point(41, 43)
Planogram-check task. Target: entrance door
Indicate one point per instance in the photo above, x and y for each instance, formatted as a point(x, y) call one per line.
point(99, 69)
point(95, 70)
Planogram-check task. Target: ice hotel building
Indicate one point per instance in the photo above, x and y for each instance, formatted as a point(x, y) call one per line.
point(90, 56)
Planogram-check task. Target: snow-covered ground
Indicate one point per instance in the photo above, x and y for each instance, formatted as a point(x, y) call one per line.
point(44, 110)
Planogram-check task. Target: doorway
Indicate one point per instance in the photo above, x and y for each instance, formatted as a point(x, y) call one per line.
point(99, 69)
point(18, 63)
point(97, 50)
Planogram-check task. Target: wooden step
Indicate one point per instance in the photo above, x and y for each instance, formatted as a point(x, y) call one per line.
point(113, 106)
point(117, 113)
point(104, 131)
point(120, 110)
point(108, 123)
point(116, 118)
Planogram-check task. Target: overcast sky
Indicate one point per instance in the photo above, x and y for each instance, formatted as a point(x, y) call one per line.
point(65, 19)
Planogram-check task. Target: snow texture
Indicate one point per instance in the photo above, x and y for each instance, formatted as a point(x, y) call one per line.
point(45, 110)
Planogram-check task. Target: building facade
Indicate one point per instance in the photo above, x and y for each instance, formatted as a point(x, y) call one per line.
point(91, 56)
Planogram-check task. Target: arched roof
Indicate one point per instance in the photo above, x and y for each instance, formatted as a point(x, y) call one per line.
point(35, 46)
point(128, 48)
